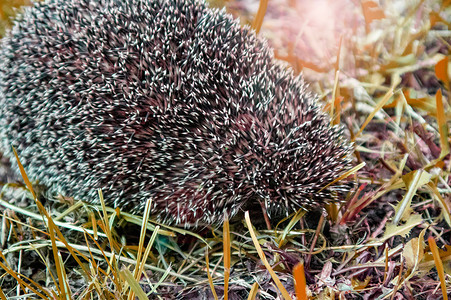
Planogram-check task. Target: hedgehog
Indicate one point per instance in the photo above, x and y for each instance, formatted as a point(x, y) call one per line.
point(168, 100)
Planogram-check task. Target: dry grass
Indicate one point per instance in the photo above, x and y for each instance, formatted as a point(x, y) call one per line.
point(384, 73)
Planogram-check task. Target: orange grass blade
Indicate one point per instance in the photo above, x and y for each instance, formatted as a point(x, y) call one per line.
point(227, 255)
point(300, 284)
point(58, 266)
point(441, 71)
point(262, 256)
point(2, 295)
point(335, 94)
point(94, 264)
point(446, 209)
point(61, 288)
point(371, 12)
point(105, 219)
point(24, 175)
point(210, 279)
point(438, 265)
point(344, 175)
point(253, 292)
point(386, 263)
point(258, 21)
point(105, 225)
point(442, 125)
point(50, 222)
point(337, 107)
point(94, 225)
point(336, 90)
point(337, 62)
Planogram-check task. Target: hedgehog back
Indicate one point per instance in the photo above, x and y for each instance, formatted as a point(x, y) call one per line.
point(161, 99)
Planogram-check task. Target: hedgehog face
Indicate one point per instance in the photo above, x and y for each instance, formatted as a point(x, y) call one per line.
point(286, 182)
point(297, 157)
point(280, 179)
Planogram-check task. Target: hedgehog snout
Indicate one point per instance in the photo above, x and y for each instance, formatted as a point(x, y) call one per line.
point(281, 175)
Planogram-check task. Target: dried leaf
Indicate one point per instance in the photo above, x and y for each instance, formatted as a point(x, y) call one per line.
point(371, 12)
point(360, 285)
point(402, 230)
point(413, 252)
